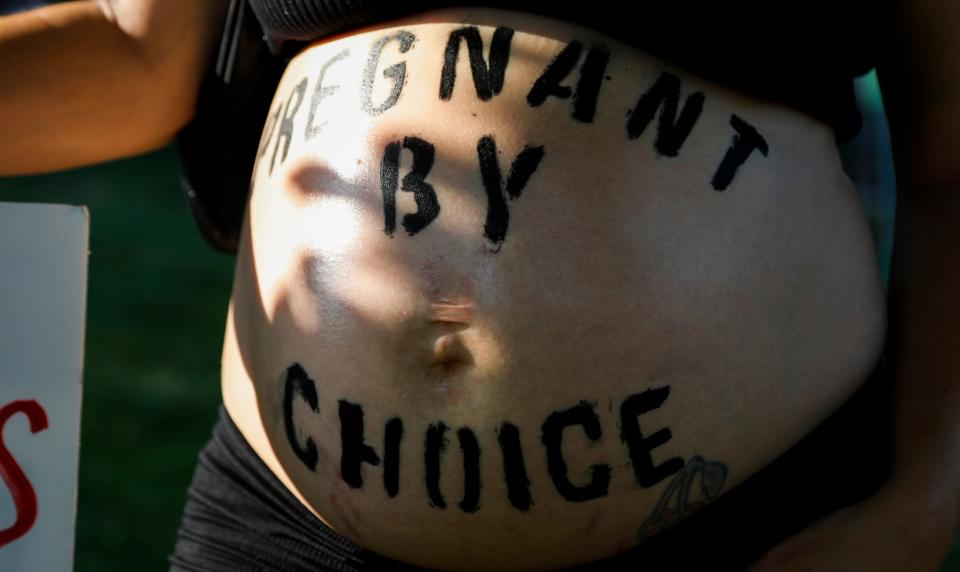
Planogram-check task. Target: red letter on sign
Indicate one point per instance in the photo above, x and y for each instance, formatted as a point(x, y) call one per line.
point(20, 488)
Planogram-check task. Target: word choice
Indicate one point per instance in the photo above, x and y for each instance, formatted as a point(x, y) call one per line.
point(355, 451)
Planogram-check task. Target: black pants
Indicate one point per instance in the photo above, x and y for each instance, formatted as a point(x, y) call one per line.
point(240, 517)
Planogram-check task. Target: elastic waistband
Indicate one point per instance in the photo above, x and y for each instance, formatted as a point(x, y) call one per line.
point(239, 516)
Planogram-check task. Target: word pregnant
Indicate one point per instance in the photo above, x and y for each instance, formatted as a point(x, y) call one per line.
point(580, 418)
point(576, 74)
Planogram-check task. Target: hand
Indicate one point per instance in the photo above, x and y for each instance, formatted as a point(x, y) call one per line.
point(893, 531)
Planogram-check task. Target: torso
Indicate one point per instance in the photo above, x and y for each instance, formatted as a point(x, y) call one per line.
point(637, 283)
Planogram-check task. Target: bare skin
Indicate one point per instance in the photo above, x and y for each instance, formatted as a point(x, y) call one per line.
point(131, 70)
point(127, 71)
point(623, 270)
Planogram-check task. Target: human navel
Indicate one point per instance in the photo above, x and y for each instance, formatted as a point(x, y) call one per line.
point(449, 353)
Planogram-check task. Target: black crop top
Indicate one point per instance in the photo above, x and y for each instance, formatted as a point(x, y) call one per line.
point(802, 54)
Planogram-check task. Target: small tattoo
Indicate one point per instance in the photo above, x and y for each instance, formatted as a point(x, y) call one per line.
point(677, 501)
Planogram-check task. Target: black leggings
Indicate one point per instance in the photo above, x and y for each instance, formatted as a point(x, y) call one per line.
point(239, 516)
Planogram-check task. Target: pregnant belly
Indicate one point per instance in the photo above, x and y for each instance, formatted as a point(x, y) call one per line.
point(512, 294)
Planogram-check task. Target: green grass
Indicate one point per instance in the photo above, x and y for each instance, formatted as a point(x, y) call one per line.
point(155, 315)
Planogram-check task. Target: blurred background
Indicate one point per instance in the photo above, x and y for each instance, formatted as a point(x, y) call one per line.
point(156, 310)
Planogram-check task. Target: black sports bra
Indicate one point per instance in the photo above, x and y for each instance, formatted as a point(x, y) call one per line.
point(802, 54)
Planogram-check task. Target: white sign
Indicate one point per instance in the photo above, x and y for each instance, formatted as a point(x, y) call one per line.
point(43, 290)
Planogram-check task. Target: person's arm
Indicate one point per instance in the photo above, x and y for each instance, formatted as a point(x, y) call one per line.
point(87, 81)
point(909, 524)
point(920, 78)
